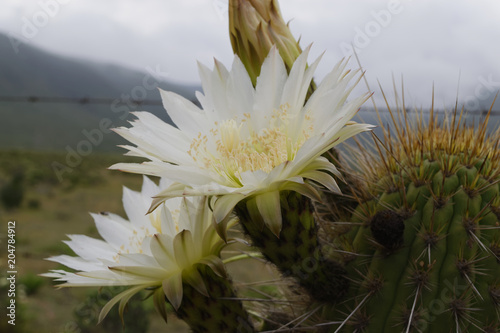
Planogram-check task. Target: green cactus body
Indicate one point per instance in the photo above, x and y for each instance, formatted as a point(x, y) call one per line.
point(218, 311)
point(297, 252)
point(423, 247)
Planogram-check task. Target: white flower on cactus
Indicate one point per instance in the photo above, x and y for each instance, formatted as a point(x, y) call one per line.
point(248, 141)
point(160, 249)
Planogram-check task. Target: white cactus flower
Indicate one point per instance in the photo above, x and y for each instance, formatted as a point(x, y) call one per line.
point(247, 141)
point(160, 249)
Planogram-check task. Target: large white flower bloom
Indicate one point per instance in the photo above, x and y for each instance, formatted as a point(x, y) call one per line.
point(248, 141)
point(155, 250)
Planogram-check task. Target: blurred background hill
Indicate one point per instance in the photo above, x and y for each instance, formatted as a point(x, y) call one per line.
point(38, 125)
point(47, 104)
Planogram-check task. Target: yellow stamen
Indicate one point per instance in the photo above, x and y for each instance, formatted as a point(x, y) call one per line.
point(263, 150)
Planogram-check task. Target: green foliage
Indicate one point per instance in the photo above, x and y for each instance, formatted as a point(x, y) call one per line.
point(135, 319)
point(12, 193)
point(33, 204)
point(31, 283)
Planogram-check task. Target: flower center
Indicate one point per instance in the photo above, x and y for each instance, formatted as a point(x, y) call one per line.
point(237, 148)
point(135, 240)
point(155, 218)
point(229, 135)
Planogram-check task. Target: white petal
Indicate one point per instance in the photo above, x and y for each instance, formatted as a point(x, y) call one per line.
point(332, 78)
point(216, 264)
point(324, 179)
point(193, 278)
point(138, 152)
point(77, 263)
point(179, 173)
point(214, 89)
point(163, 251)
point(344, 115)
point(105, 277)
point(149, 189)
point(239, 90)
point(187, 215)
point(115, 230)
point(308, 152)
point(269, 207)
point(184, 249)
point(351, 130)
point(94, 278)
point(172, 287)
point(269, 88)
point(294, 82)
point(147, 168)
point(123, 295)
point(254, 178)
point(327, 106)
point(185, 115)
point(136, 207)
point(157, 138)
point(139, 273)
point(167, 222)
point(303, 189)
point(201, 219)
point(279, 172)
point(181, 190)
point(297, 84)
point(90, 248)
point(225, 204)
point(137, 259)
point(321, 163)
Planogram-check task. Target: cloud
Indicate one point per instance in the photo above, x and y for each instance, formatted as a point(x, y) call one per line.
point(425, 41)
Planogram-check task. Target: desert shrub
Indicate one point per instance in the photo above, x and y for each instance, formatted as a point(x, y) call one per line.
point(12, 193)
point(31, 283)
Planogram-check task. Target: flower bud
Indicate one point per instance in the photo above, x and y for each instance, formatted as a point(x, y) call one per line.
point(254, 27)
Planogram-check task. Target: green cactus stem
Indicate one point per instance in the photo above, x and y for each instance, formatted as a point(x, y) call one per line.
point(216, 309)
point(297, 252)
point(422, 248)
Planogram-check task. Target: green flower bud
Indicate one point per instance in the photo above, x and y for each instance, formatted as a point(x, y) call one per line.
point(254, 27)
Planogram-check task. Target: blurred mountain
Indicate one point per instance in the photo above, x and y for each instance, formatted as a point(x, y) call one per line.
point(29, 71)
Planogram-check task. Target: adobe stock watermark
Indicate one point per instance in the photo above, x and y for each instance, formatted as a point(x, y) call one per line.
point(363, 36)
point(31, 26)
point(485, 89)
point(95, 136)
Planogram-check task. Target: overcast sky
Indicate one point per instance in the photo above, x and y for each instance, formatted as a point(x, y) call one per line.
point(426, 41)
